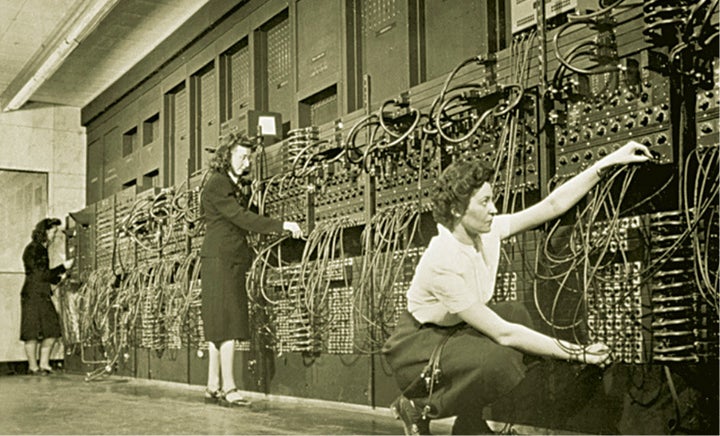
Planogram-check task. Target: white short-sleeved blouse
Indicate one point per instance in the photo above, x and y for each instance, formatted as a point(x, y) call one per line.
point(452, 276)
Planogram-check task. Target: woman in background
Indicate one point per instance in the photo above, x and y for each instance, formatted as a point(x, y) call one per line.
point(39, 321)
point(226, 258)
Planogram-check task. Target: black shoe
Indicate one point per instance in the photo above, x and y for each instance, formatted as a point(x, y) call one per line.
point(212, 397)
point(233, 398)
point(411, 416)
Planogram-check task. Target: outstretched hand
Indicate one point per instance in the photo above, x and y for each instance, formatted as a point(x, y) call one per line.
point(293, 228)
point(632, 152)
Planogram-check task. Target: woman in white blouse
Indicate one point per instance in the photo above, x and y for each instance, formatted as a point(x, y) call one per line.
point(482, 346)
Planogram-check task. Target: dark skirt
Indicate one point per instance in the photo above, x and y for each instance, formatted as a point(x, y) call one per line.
point(475, 370)
point(38, 318)
point(224, 300)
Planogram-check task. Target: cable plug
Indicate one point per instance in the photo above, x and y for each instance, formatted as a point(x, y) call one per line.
point(485, 58)
point(402, 101)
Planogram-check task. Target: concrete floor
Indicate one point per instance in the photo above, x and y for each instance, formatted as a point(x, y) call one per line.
point(66, 404)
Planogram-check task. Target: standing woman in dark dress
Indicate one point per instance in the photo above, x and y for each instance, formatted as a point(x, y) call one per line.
point(39, 320)
point(226, 257)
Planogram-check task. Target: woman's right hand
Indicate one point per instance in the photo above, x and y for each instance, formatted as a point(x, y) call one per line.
point(69, 263)
point(293, 228)
point(631, 152)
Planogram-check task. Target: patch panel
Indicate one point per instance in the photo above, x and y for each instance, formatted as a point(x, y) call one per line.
point(85, 240)
point(287, 203)
point(339, 270)
point(615, 312)
point(708, 132)
point(624, 236)
point(194, 323)
point(399, 289)
point(243, 346)
point(147, 237)
point(515, 278)
point(293, 328)
point(282, 277)
point(573, 159)
point(150, 325)
point(340, 195)
point(522, 169)
point(124, 245)
point(684, 325)
point(399, 183)
point(104, 232)
point(172, 323)
point(399, 299)
point(341, 332)
point(638, 109)
point(506, 287)
point(707, 112)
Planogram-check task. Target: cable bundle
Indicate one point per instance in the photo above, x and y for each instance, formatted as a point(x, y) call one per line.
point(577, 263)
point(662, 18)
point(384, 130)
point(106, 314)
point(701, 203)
point(298, 142)
point(387, 260)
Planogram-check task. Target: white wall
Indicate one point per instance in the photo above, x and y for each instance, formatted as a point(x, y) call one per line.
point(48, 139)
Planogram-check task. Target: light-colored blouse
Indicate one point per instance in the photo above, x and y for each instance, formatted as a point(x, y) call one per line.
point(452, 276)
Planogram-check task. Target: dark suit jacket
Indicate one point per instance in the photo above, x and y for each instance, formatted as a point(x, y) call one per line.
point(228, 221)
point(38, 275)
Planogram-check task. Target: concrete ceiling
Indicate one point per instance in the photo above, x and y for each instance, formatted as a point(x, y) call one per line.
point(104, 38)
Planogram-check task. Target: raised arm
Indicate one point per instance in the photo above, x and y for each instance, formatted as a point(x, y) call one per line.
point(568, 194)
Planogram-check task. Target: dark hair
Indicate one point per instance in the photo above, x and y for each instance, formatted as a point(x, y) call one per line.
point(222, 158)
point(39, 234)
point(453, 189)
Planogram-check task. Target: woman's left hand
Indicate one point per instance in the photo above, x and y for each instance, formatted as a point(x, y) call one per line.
point(598, 354)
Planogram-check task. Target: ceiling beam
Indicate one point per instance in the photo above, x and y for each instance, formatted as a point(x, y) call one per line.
point(78, 24)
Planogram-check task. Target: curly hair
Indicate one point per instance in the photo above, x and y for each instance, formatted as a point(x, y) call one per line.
point(39, 234)
point(221, 160)
point(455, 186)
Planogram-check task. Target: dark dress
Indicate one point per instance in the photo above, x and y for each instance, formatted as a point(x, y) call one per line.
point(38, 319)
point(475, 370)
point(226, 258)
